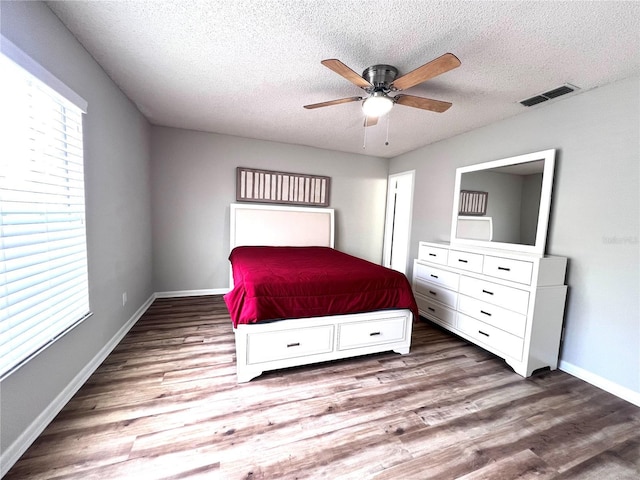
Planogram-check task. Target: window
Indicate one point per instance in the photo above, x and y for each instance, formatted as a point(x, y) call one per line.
point(43, 254)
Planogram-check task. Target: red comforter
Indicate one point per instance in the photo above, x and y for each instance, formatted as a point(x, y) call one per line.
point(272, 283)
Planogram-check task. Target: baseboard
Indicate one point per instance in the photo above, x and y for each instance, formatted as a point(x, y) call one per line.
point(606, 385)
point(10, 455)
point(192, 293)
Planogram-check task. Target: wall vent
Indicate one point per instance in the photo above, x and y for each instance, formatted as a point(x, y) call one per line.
point(551, 94)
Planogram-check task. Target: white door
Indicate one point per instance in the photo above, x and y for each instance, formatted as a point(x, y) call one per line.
point(397, 227)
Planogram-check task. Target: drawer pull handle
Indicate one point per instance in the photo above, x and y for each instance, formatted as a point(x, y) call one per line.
point(432, 292)
point(482, 333)
point(289, 345)
point(373, 334)
point(486, 313)
point(434, 276)
point(431, 309)
point(432, 255)
point(463, 261)
point(506, 269)
point(487, 292)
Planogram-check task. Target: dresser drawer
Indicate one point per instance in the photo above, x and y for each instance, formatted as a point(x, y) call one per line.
point(436, 311)
point(492, 337)
point(506, 297)
point(269, 346)
point(466, 261)
point(435, 292)
point(435, 275)
point(501, 318)
point(432, 254)
point(362, 334)
point(515, 270)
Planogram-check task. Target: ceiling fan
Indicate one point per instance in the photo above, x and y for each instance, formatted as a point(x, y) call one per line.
point(380, 80)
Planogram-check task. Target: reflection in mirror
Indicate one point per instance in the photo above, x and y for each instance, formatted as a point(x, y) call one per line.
point(515, 199)
point(512, 207)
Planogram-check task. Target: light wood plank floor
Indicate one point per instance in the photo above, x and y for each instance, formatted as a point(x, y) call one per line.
point(165, 405)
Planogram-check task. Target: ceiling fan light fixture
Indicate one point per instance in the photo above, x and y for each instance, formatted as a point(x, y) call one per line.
point(377, 105)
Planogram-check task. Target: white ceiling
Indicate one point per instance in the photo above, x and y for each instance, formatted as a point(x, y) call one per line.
point(246, 68)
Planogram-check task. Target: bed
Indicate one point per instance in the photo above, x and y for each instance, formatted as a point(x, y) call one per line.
point(295, 300)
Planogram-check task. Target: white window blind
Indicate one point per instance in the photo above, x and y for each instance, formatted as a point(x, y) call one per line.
point(43, 255)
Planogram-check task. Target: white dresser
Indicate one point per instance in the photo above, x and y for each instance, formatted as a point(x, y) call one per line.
point(511, 304)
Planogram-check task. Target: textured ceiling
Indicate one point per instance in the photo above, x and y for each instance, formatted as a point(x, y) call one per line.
point(246, 68)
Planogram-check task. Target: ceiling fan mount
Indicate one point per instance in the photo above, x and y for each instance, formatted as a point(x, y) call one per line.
point(380, 77)
point(380, 80)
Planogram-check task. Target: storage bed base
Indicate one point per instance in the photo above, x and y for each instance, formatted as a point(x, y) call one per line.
point(262, 347)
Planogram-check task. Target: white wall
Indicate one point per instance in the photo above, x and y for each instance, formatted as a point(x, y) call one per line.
point(193, 183)
point(118, 214)
point(595, 219)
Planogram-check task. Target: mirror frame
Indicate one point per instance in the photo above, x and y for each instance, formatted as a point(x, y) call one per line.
point(543, 213)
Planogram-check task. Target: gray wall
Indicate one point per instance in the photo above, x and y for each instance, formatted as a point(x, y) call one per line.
point(118, 215)
point(595, 213)
point(193, 183)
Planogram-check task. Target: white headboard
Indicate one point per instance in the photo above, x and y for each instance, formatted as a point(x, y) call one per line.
point(475, 228)
point(277, 225)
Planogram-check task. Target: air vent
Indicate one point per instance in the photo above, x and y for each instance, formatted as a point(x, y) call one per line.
point(551, 94)
point(556, 92)
point(530, 102)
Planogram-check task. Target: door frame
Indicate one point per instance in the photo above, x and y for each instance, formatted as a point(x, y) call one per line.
point(389, 224)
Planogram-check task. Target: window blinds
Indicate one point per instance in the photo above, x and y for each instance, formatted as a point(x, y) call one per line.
point(43, 255)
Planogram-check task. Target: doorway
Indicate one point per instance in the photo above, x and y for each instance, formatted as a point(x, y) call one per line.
point(397, 227)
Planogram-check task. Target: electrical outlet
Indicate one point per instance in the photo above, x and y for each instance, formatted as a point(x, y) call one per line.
point(124, 299)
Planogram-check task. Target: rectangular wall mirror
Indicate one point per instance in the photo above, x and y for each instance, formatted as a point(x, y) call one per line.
point(518, 199)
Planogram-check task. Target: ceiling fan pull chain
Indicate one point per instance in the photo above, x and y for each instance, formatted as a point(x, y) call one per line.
point(364, 142)
point(388, 120)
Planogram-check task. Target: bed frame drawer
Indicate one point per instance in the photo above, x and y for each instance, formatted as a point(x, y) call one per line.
point(361, 334)
point(279, 345)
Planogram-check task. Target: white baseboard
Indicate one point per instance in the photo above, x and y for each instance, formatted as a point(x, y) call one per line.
point(10, 455)
point(192, 293)
point(606, 385)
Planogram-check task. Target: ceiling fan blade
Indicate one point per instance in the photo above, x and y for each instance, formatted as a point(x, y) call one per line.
point(423, 103)
point(333, 102)
point(341, 69)
point(370, 121)
point(442, 64)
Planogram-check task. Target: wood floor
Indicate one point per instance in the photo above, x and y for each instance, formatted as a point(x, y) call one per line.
point(165, 405)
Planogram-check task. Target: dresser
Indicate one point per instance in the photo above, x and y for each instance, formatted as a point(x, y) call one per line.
point(511, 304)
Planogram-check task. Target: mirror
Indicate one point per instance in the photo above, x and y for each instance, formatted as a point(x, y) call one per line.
point(505, 203)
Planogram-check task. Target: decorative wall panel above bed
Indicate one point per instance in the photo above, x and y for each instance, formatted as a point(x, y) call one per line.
point(266, 186)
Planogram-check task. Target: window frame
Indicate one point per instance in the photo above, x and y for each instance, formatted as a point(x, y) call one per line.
point(66, 179)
